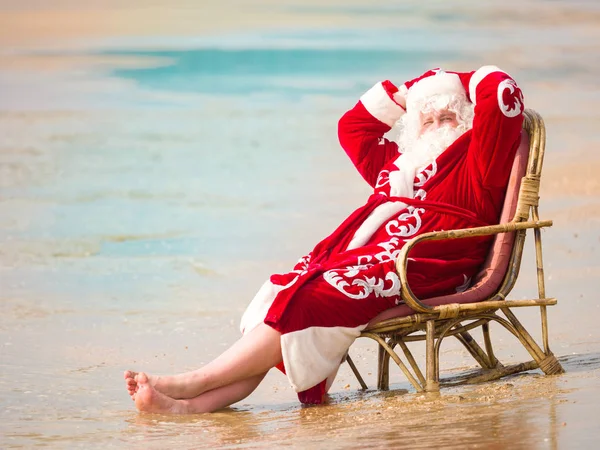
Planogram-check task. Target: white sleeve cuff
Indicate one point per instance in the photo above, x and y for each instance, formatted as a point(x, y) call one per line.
point(379, 104)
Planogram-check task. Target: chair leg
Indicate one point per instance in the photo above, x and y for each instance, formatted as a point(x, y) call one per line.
point(363, 385)
point(485, 329)
point(549, 364)
point(412, 362)
point(497, 373)
point(387, 347)
point(540, 278)
point(432, 367)
point(383, 369)
point(474, 349)
point(546, 362)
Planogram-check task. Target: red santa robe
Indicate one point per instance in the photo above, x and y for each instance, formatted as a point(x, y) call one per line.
point(322, 305)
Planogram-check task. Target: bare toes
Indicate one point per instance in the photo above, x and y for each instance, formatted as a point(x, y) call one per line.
point(130, 383)
point(149, 399)
point(141, 378)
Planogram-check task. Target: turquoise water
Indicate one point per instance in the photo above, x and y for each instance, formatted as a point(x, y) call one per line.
point(291, 65)
point(285, 73)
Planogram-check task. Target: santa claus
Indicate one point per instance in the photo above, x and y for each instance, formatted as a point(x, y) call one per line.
point(449, 169)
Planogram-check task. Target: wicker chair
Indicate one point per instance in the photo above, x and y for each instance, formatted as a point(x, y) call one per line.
point(456, 315)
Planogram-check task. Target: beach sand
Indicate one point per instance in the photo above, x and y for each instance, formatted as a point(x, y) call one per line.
point(109, 253)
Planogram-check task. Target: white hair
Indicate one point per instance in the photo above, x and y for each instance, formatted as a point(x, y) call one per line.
point(409, 124)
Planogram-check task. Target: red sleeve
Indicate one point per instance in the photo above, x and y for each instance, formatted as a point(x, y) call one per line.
point(361, 130)
point(497, 124)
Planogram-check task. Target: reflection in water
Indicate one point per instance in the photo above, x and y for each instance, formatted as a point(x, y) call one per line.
point(207, 430)
point(523, 412)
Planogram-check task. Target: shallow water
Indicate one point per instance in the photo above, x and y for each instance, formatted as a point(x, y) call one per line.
point(150, 181)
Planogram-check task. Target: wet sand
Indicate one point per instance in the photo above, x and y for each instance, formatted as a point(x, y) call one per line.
point(66, 336)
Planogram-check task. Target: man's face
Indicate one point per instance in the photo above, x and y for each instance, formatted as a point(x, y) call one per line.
point(433, 120)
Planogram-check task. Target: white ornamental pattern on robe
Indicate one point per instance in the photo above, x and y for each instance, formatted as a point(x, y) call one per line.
point(422, 177)
point(383, 180)
point(425, 174)
point(356, 285)
point(300, 269)
point(515, 106)
point(353, 281)
point(407, 224)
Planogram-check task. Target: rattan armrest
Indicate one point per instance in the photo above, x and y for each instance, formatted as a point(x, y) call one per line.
point(402, 261)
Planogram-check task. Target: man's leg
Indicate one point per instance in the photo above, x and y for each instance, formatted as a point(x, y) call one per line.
point(148, 399)
point(252, 355)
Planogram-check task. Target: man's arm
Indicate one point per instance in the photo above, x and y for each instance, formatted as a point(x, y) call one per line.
point(361, 129)
point(497, 124)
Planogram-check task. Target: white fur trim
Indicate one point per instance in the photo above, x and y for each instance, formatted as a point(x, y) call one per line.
point(313, 354)
point(403, 90)
point(372, 223)
point(442, 83)
point(379, 104)
point(259, 306)
point(478, 77)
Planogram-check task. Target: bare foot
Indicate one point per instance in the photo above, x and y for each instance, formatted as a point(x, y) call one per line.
point(169, 386)
point(148, 399)
point(131, 382)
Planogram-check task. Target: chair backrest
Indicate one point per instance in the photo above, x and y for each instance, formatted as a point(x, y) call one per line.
point(492, 272)
point(493, 275)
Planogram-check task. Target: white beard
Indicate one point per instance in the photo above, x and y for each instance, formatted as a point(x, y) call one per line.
point(423, 152)
point(433, 143)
